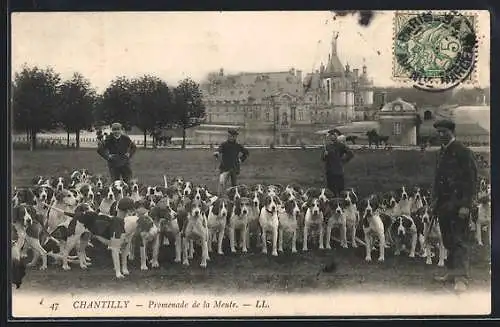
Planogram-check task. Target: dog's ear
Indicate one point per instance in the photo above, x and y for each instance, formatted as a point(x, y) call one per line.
point(59, 195)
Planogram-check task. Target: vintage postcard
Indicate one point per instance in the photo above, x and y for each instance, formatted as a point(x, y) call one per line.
point(223, 164)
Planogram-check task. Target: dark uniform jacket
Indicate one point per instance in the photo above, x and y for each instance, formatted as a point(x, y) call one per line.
point(114, 150)
point(455, 180)
point(338, 154)
point(230, 151)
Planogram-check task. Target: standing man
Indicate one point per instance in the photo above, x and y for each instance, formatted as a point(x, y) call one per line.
point(117, 149)
point(453, 193)
point(230, 163)
point(335, 155)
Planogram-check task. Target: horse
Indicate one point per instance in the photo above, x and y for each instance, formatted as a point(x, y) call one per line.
point(352, 139)
point(376, 139)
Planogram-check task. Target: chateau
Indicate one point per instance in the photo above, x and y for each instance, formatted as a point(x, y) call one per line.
point(286, 106)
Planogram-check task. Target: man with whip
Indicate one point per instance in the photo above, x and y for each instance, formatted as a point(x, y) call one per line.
point(229, 166)
point(335, 155)
point(117, 150)
point(453, 194)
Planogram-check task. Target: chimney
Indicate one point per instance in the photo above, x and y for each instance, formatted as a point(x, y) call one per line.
point(292, 71)
point(484, 100)
point(221, 72)
point(356, 72)
point(299, 75)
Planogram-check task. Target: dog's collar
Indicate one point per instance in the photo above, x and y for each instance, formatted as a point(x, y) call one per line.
point(269, 211)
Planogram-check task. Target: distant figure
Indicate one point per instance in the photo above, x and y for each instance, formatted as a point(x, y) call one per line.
point(335, 155)
point(453, 195)
point(230, 161)
point(117, 150)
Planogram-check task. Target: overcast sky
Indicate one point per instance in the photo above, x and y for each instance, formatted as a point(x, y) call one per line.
point(104, 45)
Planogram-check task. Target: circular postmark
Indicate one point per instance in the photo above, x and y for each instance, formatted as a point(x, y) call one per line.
point(436, 51)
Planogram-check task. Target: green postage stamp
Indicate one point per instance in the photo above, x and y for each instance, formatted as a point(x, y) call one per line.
point(434, 50)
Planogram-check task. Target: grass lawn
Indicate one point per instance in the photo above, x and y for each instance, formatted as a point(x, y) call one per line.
point(369, 171)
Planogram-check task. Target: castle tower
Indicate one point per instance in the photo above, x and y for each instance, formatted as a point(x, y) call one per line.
point(366, 87)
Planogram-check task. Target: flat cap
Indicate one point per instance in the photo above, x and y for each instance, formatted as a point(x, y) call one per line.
point(445, 123)
point(334, 131)
point(116, 126)
point(232, 131)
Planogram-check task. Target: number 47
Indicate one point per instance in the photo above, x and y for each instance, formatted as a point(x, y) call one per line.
point(54, 306)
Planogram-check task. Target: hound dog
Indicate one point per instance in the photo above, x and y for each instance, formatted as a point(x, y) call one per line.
point(27, 228)
point(217, 219)
point(142, 209)
point(403, 202)
point(108, 200)
point(433, 239)
point(288, 222)
point(483, 220)
point(65, 200)
point(416, 201)
point(188, 188)
point(336, 220)
point(237, 192)
point(269, 223)
point(373, 227)
point(136, 190)
point(70, 234)
point(86, 192)
point(314, 218)
point(166, 220)
point(116, 233)
point(24, 196)
point(60, 183)
point(37, 180)
point(99, 182)
point(351, 213)
point(194, 227)
point(404, 234)
point(253, 224)
point(239, 215)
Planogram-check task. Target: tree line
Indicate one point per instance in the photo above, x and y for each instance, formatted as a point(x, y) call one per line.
point(42, 101)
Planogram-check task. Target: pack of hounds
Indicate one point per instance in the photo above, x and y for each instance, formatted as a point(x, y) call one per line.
point(61, 216)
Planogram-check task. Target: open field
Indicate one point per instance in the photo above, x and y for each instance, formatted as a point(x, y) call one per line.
point(370, 171)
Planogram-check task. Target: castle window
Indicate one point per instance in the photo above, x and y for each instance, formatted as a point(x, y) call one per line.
point(396, 128)
point(301, 115)
point(241, 92)
point(235, 108)
point(232, 92)
point(268, 116)
point(427, 115)
point(293, 114)
point(310, 99)
point(227, 109)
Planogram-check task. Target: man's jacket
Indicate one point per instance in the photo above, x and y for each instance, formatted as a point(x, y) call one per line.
point(455, 180)
point(114, 150)
point(229, 152)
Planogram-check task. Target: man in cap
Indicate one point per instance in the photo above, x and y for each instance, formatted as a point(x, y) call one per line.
point(335, 155)
point(230, 152)
point(117, 149)
point(453, 193)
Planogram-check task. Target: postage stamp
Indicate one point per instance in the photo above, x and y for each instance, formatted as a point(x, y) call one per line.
point(434, 50)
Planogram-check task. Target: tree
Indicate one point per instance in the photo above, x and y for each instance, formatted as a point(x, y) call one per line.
point(188, 106)
point(35, 99)
point(116, 104)
point(151, 100)
point(78, 100)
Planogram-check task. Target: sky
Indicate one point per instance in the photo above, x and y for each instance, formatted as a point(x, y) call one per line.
point(175, 45)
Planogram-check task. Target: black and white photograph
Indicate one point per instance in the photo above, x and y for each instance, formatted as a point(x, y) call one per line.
point(250, 164)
